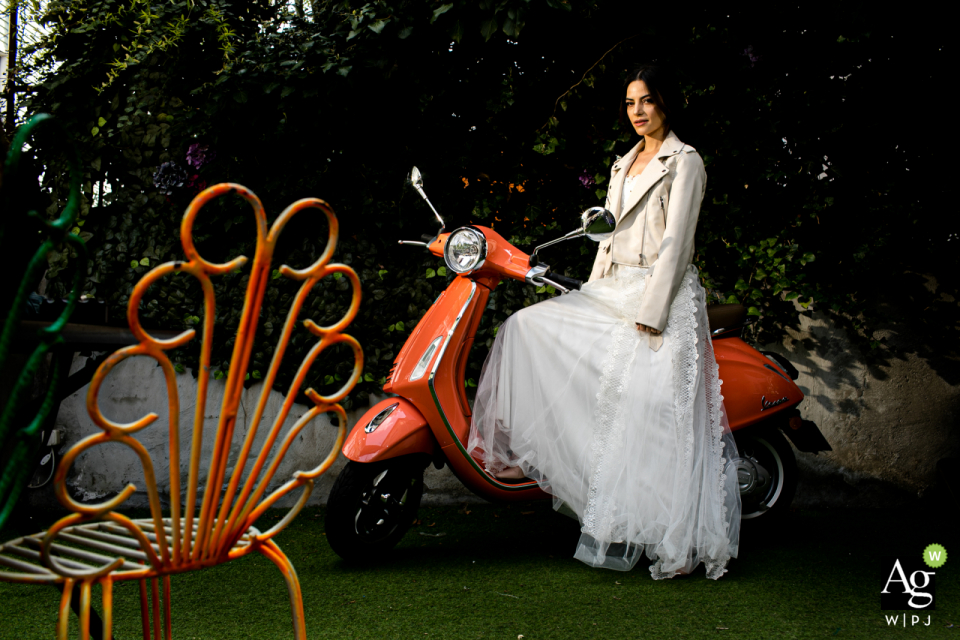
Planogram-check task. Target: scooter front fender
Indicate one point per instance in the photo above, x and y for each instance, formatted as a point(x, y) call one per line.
point(402, 432)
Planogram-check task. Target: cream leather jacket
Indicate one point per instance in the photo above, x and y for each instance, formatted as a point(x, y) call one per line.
point(656, 225)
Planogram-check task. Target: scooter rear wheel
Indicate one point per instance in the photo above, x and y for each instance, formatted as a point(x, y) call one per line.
point(372, 505)
point(767, 475)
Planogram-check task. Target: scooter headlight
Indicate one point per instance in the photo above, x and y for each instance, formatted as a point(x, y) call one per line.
point(465, 251)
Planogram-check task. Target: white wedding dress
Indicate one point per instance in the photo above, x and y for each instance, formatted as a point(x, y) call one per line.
point(630, 440)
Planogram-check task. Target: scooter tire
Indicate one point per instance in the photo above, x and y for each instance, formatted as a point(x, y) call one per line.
point(767, 448)
point(365, 518)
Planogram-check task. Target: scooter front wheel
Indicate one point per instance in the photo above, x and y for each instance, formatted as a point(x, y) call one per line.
point(372, 505)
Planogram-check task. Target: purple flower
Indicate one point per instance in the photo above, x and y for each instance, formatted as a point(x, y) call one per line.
point(748, 52)
point(199, 155)
point(168, 177)
point(586, 180)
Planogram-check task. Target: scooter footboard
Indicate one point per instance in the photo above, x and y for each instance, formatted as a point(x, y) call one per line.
point(391, 428)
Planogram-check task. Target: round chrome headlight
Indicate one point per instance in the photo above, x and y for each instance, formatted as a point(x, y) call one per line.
point(465, 251)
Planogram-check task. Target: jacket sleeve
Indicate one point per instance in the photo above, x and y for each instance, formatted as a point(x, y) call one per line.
point(676, 249)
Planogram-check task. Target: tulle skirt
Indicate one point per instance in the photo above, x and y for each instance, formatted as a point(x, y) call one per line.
point(631, 441)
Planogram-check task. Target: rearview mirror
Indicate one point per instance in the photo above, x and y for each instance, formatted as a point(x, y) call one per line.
point(415, 179)
point(597, 223)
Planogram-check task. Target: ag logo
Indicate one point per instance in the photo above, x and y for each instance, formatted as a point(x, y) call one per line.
point(907, 583)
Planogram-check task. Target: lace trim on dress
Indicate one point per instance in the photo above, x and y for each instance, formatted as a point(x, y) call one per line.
point(682, 326)
point(600, 513)
point(715, 567)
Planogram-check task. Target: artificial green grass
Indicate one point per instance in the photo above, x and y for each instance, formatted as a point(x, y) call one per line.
point(506, 572)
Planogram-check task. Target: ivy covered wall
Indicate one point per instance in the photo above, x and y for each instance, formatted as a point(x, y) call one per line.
point(510, 110)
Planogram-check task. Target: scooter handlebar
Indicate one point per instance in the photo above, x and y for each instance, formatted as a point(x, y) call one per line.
point(563, 281)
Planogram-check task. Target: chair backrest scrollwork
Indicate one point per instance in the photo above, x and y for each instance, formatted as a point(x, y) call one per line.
point(205, 523)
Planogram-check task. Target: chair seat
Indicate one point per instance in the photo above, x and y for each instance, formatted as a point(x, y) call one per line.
point(85, 547)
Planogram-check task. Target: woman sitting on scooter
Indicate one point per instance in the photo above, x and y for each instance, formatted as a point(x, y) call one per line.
point(609, 396)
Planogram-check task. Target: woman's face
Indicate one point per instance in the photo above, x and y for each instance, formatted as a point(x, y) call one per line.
point(645, 116)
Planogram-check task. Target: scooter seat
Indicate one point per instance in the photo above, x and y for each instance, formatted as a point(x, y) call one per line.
point(725, 316)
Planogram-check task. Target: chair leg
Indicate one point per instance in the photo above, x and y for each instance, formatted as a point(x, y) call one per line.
point(85, 588)
point(106, 584)
point(272, 551)
point(168, 634)
point(144, 609)
point(155, 599)
point(63, 621)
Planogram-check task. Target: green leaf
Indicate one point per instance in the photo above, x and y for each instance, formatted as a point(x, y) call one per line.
point(377, 26)
point(145, 262)
point(488, 28)
point(400, 326)
point(741, 285)
point(470, 382)
point(101, 122)
point(179, 368)
point(792, 295)
point(431, 273)
point(457, 32)
point(275, 274)
point(601, 194)
point(439, 11)
point(405, 33)
point(381, 272)
point(257, 375)
point(368, 377)
point(337, 275)
point(809, 257)
point(392, 327)
point(753, 311)
point(442, 271)
point(328, 379)
point(94, 131)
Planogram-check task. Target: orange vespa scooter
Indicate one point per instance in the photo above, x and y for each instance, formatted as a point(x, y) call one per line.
point(377, 494)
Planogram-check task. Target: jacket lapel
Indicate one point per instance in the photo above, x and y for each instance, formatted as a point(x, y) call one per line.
point(617, 175)
point(650, 175)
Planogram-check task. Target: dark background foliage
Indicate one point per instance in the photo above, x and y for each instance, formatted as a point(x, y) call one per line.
point(824, 180)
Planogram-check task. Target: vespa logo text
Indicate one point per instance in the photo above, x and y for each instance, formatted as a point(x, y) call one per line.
point(769, 404)
point(906, 586)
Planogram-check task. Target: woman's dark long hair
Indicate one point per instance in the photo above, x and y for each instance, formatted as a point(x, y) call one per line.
point(664, 89)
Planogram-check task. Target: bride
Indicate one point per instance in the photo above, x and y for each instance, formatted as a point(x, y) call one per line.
point(609, 396)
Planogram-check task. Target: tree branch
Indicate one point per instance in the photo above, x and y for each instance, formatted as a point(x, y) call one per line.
point(557, 102)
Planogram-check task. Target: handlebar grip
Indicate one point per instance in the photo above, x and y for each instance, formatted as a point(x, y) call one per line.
point(426, 238)
point(569, 283)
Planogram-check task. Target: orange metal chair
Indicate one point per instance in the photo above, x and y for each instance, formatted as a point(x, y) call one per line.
point(97, 545)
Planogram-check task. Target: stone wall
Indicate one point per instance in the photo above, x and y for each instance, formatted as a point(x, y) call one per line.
point(889, 420)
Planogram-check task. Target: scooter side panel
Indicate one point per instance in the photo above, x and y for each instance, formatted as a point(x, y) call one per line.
point(754, 388)
point(405, 431)
point(447, 319)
